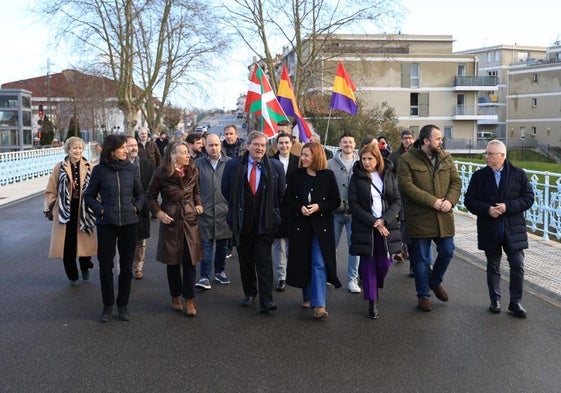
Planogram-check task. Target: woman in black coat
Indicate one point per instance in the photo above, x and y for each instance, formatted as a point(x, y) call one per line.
point(375, 205)
point(116, 196)
point(311, 197)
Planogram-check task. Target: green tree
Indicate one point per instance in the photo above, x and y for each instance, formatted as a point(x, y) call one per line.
point(47, 132)
point(73, 128)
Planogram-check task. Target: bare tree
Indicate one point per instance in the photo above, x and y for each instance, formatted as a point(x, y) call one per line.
point(147, 47)
point(305, 27)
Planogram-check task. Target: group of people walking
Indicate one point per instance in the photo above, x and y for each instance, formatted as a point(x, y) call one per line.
point(284, 214)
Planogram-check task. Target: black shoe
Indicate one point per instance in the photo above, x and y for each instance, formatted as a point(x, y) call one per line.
point(123, 313)
point(281, 285)
point(495, 307)
point(517, 310)
point(106, 314)
point(373, 310)
point(268, 306)
point(247, 300)
point(86, 274)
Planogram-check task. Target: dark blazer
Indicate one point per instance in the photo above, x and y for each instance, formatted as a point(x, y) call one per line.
point(272, 185)
point(360, 202)
point(284, 228)
point(514, 190)
point(118, 185)
point(326, 194)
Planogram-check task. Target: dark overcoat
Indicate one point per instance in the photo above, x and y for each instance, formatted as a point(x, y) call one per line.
point(360, 202)
point(320, 224)
point(515, 191)
point(146, 170)
point(179, 196)
point(284, 228)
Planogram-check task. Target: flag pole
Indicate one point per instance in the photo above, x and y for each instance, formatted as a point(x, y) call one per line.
point(327, 129)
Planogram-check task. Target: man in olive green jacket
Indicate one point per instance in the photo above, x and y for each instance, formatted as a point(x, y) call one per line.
point(430, 185)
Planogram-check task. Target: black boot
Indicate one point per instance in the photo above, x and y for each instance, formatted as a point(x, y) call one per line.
point(373, 309)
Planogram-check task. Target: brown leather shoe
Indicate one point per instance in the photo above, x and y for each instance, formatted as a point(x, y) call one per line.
point(424, 304)
point(138, 275)
point(176, 304)
point(190, 309)
point(440, 293)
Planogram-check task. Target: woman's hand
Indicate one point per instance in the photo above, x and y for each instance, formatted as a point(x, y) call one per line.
point(380, 225)
point(164, 218)
point(199, 209)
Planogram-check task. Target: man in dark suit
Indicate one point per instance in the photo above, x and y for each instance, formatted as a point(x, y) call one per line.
point(280, 245)
point(145, 169)
point(253, 185)
point(499, 194)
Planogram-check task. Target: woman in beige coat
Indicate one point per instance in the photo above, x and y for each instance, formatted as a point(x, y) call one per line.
point(179, 243)
point(72, 233)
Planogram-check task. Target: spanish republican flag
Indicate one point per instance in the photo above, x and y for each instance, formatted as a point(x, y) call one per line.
point(287, 101)
point(343, 97)
point(261, 101)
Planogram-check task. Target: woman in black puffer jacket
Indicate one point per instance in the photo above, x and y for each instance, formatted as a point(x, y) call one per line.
point(115, 194)
point(375, 205)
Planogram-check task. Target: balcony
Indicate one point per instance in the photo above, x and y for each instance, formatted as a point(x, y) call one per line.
point(476, 83)
point(486, 115)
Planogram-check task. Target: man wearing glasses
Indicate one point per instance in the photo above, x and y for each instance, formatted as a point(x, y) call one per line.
point(499, 194)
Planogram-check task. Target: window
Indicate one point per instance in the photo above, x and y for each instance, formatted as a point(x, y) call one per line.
point(489, 57)
point(461, 70)
point(497, 56)
point(534, 102)
point(414, 75)
point(414, 104)
point(460, 104)
point(534, 131)
point(534, 77)
point(447, 133)
point(492, 73)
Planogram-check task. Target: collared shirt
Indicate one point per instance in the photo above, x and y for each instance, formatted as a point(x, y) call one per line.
point(497, 173)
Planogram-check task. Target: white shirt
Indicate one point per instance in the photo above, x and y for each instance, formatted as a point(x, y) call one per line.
point(376, 197)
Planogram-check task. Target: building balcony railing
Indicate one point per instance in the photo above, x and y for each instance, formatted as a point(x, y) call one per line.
point(473, 113)
point(472, 81)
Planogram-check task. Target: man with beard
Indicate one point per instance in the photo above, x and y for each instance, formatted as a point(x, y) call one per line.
point(430, 185)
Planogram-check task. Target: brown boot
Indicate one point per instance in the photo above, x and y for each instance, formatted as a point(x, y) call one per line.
point(190, 309)
point(176, 304)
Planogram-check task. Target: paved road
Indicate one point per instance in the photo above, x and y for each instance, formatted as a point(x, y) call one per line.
point(51, 340)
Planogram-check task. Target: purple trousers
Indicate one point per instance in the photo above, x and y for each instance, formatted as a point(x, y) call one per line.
point(374, 269)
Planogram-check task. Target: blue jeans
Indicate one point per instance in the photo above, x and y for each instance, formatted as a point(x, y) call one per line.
point(340, 221)
point(219, 256)
point(421, 257)
point(315, 292)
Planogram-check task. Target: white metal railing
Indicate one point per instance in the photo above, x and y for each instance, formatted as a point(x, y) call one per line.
point(545, 214)
point(23, 165)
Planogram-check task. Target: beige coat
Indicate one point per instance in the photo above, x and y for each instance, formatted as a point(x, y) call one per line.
point(87, 243)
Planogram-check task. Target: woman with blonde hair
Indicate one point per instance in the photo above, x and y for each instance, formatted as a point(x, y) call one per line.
point(179, 243)
point(375, 205)
point(72, 232)
point(311, 197)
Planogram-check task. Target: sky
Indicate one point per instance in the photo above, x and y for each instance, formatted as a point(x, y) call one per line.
point(28, 49)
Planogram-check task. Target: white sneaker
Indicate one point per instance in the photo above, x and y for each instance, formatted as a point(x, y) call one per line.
point(353, 286)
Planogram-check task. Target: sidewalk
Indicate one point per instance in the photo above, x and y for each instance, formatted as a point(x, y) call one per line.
point(542, 268)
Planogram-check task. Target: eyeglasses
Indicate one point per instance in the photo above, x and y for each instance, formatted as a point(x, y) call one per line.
point(488, 153)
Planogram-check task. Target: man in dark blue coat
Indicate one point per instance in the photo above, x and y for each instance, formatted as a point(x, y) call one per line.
point(253, 185)
point(499, 194)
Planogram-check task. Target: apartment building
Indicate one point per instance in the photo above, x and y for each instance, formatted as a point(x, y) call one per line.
point(418, 75)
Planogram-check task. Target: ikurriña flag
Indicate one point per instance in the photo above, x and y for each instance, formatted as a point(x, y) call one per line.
point(261, 101)
point(287, 101)
point(343, 96)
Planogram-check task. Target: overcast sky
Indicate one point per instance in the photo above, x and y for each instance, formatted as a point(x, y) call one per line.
point(474, 24)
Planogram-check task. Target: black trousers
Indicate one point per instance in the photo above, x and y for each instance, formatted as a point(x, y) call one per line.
point(124, 238)
point(256, 265)
point(516, 262)
point(177, 286)
point(71, 245)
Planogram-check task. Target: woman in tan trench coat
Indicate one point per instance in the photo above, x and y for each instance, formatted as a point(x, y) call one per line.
point(72, 232)
point(179, 243)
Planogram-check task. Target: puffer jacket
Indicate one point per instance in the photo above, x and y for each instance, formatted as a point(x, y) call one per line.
point(421, 185)
point(360, 201)
point(121, 196)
